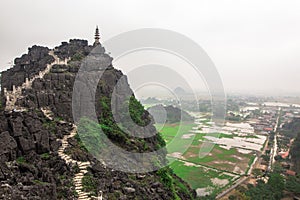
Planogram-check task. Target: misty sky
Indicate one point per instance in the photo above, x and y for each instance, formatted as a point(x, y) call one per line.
point(254, 44)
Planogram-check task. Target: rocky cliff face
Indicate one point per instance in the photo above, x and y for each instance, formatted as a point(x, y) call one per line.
point(26, 66)
point(31, 164)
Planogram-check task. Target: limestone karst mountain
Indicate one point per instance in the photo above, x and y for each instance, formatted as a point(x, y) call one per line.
point(41, 155)
point(172, 114)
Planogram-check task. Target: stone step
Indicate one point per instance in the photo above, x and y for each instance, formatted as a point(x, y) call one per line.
point(84, 194)
point(85, 163)
point(81, 192)
point(83, 167)
point(83, 197)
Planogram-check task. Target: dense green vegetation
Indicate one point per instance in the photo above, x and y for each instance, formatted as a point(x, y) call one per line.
point(295, 153)
point(89, 132)
point(109, 126)
point(117, 132)
point(290, 130)
point(173, 184)
point(293, 184)
point(271, 139)
point(137, 112)
point(90, 137)
point(272, 190)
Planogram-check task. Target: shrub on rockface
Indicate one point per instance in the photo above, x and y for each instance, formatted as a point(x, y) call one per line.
point(89, 184)
point(137, 112)
point(118, 132)
point(89, 134)
point(174, 184)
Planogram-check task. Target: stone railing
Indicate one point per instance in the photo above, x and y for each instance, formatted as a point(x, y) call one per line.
point(16, 93)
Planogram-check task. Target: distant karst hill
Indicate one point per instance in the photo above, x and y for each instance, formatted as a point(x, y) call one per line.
point(170, 113)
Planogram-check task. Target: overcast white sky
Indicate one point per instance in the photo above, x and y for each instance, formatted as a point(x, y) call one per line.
point(255, 44)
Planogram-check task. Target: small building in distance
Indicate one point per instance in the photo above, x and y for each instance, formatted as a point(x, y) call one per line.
point(290, 173)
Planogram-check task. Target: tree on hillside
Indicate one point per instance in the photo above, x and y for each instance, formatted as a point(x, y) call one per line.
point(295, 153)
point(276, 183)
point(273, 190)
point(293, 184)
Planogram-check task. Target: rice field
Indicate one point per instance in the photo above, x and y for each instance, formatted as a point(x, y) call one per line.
point(233, 153)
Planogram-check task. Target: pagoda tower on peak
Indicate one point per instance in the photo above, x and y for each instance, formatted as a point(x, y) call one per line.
point(97, 37)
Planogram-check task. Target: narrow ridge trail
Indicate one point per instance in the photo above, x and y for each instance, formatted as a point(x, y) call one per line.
point(16, 93)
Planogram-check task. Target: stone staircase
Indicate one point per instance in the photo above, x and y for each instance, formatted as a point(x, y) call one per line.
point(82, 165)
point(16, 93)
